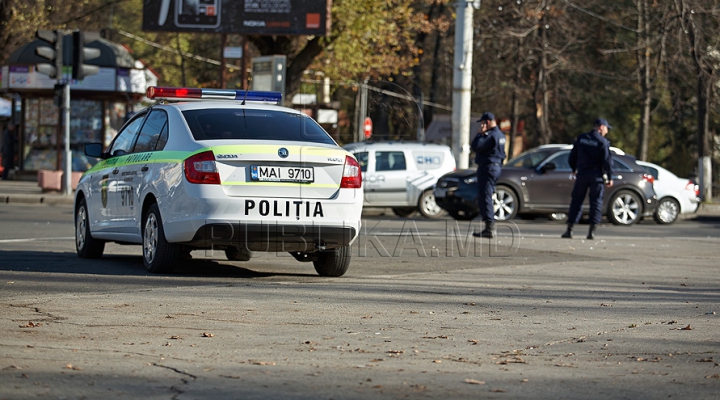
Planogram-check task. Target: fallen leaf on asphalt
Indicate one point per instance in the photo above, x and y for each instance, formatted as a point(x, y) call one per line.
point(175, 337)
point(73, 367)
point(687, 328)
point(474, 341)
point(474, 382)
point(716, 376)
point(31, 324)
point(515, 360)
point(396, 351)
point(437, 361)
point(262, 362)
point(497, 390)
point(469, 304)
point(706, 360)
point(377, 360)
point(205, 334)
point(13, 367)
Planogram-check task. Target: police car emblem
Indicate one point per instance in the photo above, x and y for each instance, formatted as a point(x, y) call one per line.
point(283, 152)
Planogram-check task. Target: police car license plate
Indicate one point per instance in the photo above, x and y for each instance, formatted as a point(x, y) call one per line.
point(266, 173)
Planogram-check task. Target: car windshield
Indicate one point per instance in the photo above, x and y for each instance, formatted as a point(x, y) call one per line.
point(530, 159)
point(224, 124)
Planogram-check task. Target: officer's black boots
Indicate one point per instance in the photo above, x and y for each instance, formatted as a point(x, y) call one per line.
point(488, 232)
point(568, 232)
point(591, 232)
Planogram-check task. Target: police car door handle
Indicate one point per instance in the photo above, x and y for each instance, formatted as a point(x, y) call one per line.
point(381, 178)
point(144, 169)
point(115, 171)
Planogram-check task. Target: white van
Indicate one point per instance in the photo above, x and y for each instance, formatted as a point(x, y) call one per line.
point(401, 175)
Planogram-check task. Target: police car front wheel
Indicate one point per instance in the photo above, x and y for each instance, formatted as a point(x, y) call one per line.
point(85, 244)
point(159, 255)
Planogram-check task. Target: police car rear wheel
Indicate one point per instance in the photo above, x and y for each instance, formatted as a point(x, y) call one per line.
point(625, 208)
point(238, 254)
point(333, 262)
point(159, 255)
point(428, 206)
point(85, 244)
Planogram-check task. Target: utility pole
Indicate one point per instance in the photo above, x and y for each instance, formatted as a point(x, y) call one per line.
point(462, 80)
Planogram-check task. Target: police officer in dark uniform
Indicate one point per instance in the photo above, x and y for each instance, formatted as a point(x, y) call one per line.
point(590, 158)
point(489, 147)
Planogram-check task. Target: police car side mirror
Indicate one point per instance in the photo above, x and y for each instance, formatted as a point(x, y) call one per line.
point(93, 150)
point(548, 167)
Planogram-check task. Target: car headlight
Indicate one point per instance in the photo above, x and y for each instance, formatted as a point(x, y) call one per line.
point(470, 180)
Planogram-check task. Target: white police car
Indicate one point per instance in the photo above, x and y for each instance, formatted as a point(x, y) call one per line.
point(240, 176)
point(401, 175)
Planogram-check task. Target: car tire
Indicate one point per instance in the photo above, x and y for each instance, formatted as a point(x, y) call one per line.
point(667, 211)
point(159, 255)
point(462, 216)
point(333, 263)
point(238, 254)
point(404, 211)
point(625, 208)
point(427, 205)
point(505, 203)
point(558, 216)
point(85, 244)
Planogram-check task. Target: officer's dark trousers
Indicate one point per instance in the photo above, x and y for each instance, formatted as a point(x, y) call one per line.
point(583, 184)
point(487, 176)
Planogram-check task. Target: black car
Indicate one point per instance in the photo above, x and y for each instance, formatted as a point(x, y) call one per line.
point(540, 181)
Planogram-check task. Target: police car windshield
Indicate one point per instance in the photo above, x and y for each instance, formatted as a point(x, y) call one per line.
point(229, 124)
point(530, 159)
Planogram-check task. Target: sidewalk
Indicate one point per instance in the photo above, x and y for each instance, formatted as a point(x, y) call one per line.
point(29, 192)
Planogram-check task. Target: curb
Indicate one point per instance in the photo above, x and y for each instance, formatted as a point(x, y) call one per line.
point(35, 199)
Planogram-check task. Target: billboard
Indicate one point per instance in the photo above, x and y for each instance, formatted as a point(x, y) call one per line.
point(247, 17)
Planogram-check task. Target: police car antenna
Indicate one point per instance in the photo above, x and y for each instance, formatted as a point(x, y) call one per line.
point(246, 90)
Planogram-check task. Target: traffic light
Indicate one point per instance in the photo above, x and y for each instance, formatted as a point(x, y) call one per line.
point(81, 54)
point(52, 49)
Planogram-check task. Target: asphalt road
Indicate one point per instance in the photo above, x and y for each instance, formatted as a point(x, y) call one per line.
point(424, 312)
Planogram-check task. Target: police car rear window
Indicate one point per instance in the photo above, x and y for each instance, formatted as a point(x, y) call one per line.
point(229, 124)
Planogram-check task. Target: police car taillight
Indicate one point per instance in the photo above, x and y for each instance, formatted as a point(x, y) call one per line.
point(201, 169)
point(173, 93)
point(352, 175)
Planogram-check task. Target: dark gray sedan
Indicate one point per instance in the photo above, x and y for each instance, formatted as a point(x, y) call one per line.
point(540, 181)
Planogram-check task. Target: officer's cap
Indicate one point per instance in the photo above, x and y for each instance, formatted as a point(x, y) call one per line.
point(488, 116)
point(602, 121)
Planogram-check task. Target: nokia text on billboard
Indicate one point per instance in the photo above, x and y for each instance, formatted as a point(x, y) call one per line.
point(249, 17)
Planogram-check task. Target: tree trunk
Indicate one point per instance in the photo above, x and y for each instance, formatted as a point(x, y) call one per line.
point(515, 100)
point(643, 59)
point(541, 90)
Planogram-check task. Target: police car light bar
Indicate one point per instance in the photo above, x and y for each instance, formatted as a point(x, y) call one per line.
point(172, 93)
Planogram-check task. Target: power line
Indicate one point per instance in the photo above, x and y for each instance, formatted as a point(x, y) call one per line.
point(176, 51)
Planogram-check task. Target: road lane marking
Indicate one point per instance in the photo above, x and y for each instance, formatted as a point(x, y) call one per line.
point(35, 239)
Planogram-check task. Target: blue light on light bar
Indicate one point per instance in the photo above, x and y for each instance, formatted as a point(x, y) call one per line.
point(156, 92)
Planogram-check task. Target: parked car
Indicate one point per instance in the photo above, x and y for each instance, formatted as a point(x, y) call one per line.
point(540, 181)
point(400, 175)
point(675, 195)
